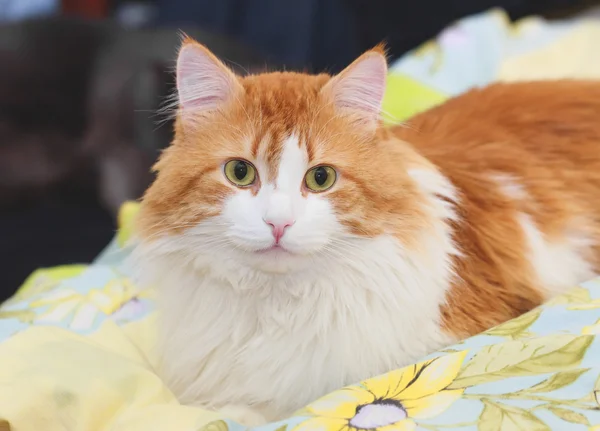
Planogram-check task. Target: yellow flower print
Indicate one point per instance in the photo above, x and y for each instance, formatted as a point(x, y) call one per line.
point(84, 309)
point(45, 280)
point(593, 329)
point(127, 214)
point(591, 305)
point(390, 402)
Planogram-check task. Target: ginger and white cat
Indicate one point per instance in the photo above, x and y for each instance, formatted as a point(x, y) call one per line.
point(299, 246)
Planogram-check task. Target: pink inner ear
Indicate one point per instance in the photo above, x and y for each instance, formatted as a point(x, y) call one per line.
point(203, 83)
point(361, 86)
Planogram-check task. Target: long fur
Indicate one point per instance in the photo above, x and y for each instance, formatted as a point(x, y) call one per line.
point(477, 212)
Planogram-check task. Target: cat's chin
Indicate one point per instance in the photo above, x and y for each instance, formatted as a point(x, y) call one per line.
point(276, 260)
point(274, 250)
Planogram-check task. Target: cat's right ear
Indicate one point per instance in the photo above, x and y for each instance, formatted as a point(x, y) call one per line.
point(204, 83)
point(358, 90)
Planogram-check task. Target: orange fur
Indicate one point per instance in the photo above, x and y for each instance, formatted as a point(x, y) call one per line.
point(547, 135)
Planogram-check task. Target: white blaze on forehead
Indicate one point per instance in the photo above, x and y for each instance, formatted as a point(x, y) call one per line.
point(285, 200)
point(292, 166)
point(279, 208)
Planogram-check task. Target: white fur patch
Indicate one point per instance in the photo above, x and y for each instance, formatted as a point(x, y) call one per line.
point(557, 265)
point(276, 332)
point(439, 189)
point(510, 186)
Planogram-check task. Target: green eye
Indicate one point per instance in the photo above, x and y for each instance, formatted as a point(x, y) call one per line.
point(320, 178)
point(240, 173)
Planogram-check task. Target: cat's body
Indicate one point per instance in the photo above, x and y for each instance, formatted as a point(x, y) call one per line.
point(525, 159)
point(277, 291)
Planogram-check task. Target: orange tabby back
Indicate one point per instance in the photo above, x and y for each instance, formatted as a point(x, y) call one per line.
point(515, 151)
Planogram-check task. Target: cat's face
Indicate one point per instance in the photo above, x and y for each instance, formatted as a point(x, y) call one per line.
point(277, 209)
point(277, 171)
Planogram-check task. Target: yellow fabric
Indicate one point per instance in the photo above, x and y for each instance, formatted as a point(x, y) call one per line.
point(568, 57)
point(125, 219)
point(406, 97)
point(420, 391)
point(45, 279)
point(52, 379)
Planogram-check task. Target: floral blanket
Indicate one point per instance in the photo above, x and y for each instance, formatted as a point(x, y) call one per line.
point(77, 342)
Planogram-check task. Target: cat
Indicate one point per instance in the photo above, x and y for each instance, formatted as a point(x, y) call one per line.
point(299, 246)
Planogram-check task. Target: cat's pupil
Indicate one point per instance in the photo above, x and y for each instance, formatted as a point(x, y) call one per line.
point(241, 170)
point(321, 176)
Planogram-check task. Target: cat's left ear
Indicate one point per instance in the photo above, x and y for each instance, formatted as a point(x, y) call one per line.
point(358, 90)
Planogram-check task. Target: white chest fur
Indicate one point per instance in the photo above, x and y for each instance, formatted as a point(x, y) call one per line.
point(283, 341)
point(232, 335)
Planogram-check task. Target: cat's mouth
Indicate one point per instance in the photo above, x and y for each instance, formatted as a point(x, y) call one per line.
point(274, 249)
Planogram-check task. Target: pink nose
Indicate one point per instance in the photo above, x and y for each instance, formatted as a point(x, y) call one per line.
point(278, 228)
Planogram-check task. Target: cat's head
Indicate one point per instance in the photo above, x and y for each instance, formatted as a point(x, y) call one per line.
point(277, 172)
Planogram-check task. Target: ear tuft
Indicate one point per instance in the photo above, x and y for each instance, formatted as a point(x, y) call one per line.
point(359, 89)
point(203, 82)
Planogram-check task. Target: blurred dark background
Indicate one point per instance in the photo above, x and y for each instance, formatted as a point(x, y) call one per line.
point(81, 82)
